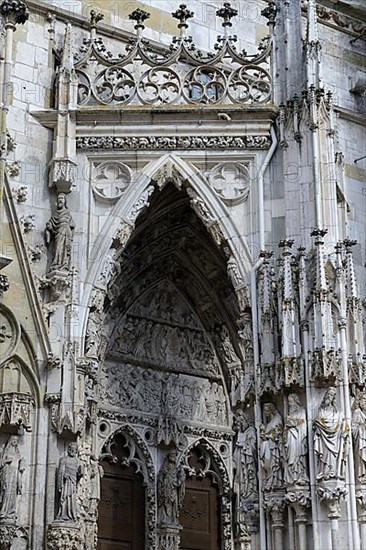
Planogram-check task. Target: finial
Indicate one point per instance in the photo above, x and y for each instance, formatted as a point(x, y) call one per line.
point(139, 16)
point(15, 12)
point(319, 234)
point(95, 18)
point(183, 14)
point(270, 12)
point(227, 13)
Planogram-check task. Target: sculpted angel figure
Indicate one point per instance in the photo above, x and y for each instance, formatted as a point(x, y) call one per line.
point(330, 438)
point(60, 229)
point(245, 458)
point(171, 490)
point(295, 443)
point(70, 471)
point(11, 471)
point(359, 436)
point(270, 450)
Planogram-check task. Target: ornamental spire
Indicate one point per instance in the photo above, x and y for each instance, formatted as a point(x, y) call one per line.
point(183, 14)
point(139, 16)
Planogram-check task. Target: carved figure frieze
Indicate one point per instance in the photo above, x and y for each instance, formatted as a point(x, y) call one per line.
point(60, 229)
point(295, 446)
point(171, 490)
point(69, 474)
point(12, 467)
point(330, 439)
point(176, 398)
point(167, 345)
point(271, 434)
point(174, 142)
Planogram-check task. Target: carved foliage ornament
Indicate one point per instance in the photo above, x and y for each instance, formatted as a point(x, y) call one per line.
point(174, 142)
point(14, 11)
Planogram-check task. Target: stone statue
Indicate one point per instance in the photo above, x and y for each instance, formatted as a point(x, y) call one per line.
point(330, 438)
point(359, 436)
point(295, 443)
point(171, 489)
point(60, 228)
point(70, 471)
point(11, 470)
point(270, 449)
point(96, 474)
point(245, 458)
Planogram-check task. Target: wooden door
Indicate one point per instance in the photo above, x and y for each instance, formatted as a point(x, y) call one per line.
point(199, 516)
point(121, 521)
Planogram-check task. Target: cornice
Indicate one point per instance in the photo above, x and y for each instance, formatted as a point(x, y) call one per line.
point(341, 16)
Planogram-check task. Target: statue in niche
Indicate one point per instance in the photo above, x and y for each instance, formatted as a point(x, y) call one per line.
point(245, 458)
point(227, 349)
point(11, 471)
point(330, 438)
point(171, 490)
point(295, 443)
point(270, 449)
point(60, 229)
point(234, 273)
point(359, 436)
point(70, 472)
point(96, 474)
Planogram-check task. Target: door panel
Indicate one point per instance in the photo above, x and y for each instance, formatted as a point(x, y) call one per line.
point(199, 516)
point(121, 522)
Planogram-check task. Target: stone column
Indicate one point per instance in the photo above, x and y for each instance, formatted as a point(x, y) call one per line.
point(275, 505)
point(299, 499)
point(361, 500)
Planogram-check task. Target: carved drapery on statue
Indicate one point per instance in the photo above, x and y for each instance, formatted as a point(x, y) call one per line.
point(59, 229)
point(11, 470)
point(271, 448)
point(330, 439)
point(359, 436)
point(171, 483)
point(295, 443)
point(68, 476)
point(245, 458)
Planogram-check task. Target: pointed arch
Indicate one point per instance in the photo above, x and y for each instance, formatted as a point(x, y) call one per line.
point(169, 169)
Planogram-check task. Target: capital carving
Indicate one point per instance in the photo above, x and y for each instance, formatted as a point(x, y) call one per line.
point(15, 12)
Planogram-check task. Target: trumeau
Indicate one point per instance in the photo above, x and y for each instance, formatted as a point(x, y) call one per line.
point(182, 302)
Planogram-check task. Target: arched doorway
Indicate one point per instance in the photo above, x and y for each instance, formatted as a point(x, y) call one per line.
point(168, 345)
point(121, 521)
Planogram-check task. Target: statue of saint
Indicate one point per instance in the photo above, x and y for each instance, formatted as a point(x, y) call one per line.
point(245, 458)
point(70, 471)
point(11, 470)
point(96, 474)
point(330, 438)
point(295, 443)
point(270, 450)
point(171, 490)
point(359, 436)
point(60, 228)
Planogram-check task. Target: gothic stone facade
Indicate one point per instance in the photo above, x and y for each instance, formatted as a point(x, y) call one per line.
point(182, 289)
